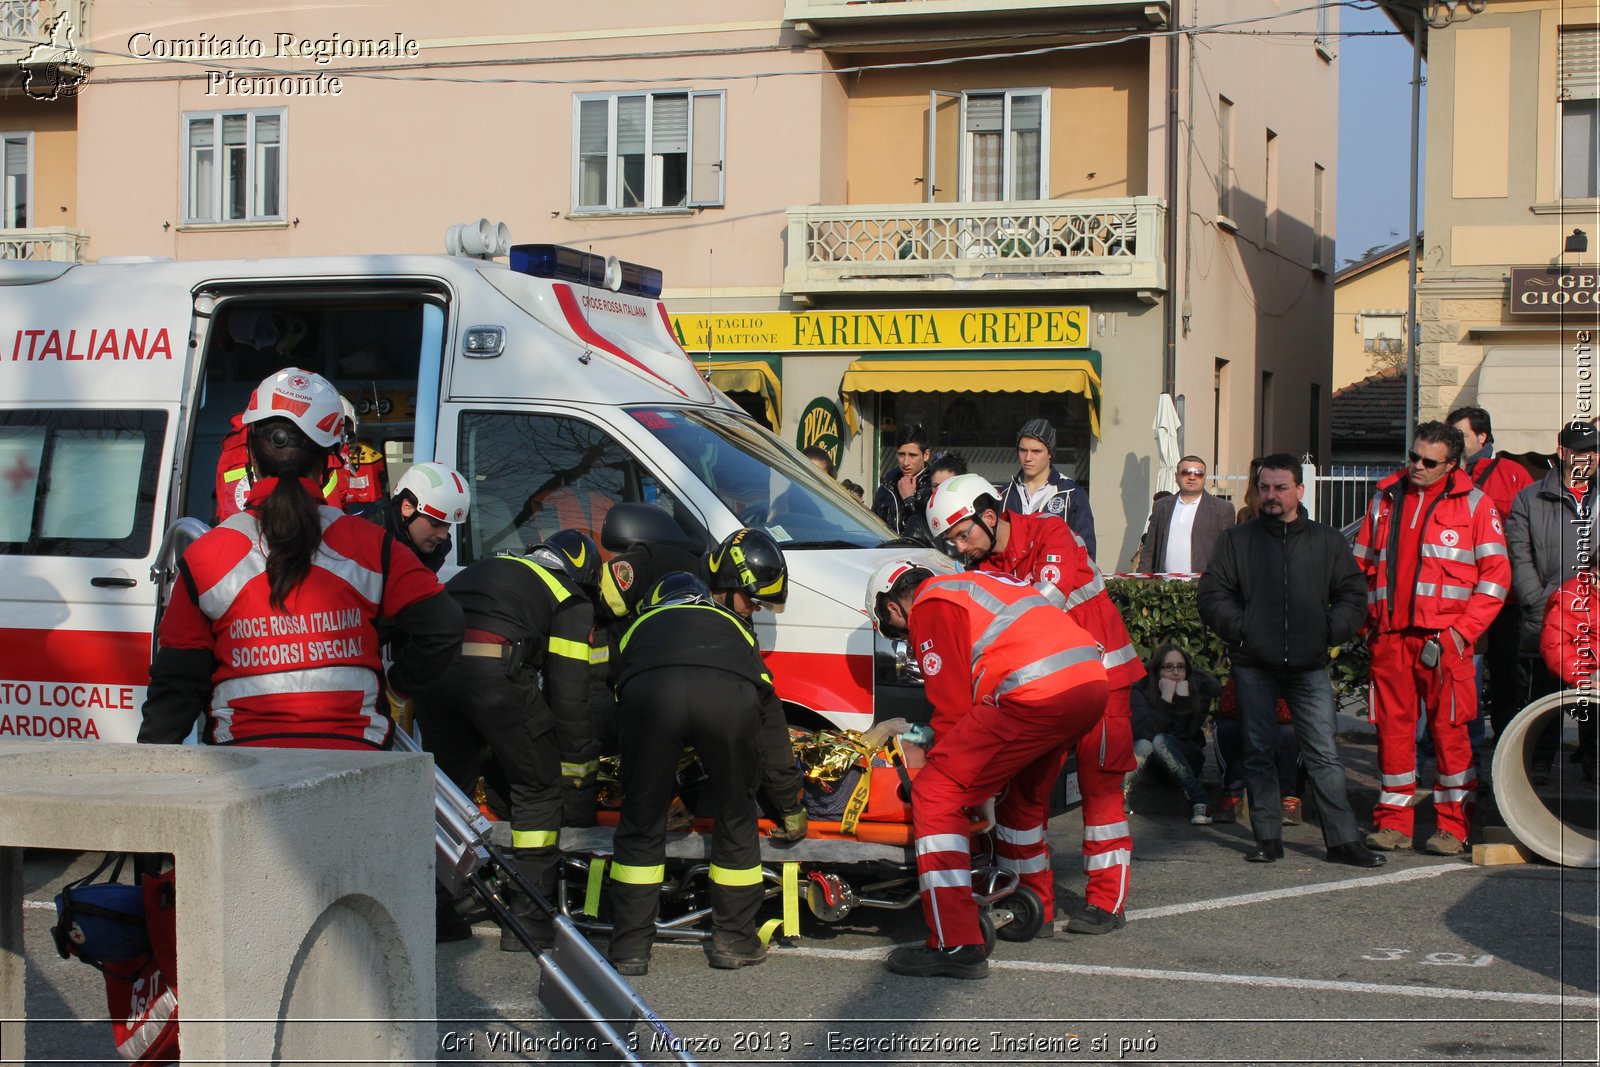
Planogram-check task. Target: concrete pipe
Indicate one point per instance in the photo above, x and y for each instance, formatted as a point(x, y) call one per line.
point(1525, 813)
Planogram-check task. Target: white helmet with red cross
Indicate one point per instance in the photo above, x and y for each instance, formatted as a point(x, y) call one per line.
point(959, 498)
point(439, 492)
point(304, 398)
point(886, 578)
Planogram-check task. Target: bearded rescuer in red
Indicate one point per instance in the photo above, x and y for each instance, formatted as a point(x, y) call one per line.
point(1014, 683)
point(1045, 553)
point(272, 629)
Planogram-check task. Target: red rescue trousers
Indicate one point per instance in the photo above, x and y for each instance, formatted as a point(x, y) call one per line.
point(1105, 754)
point(1023, 743)
point(1400, 685)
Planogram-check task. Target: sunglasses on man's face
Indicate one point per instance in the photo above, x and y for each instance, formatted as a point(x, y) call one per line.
point(1430, 464)
point(1190, 472)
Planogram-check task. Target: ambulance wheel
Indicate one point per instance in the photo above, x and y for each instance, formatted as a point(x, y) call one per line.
point(986, 924)
point(1027, 915)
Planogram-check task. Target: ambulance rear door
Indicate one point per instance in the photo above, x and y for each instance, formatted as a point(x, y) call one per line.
point(94, 364)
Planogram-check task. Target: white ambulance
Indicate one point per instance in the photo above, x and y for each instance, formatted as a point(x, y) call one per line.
point(553, 384)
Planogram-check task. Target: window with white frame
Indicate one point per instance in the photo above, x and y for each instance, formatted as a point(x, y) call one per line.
point(1319, 186)
point(648, 151)
point(233, 166)
point(1224, 157)
point(1005, 141)
point(1580, 112)
point(16, 199)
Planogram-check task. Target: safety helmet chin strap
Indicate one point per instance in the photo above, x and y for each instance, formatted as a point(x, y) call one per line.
point(977, 520)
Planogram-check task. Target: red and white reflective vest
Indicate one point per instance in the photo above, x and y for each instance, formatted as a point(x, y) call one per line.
point(307, 676)
point(1043, 551)
point(1018, 642)
point(1464, 572)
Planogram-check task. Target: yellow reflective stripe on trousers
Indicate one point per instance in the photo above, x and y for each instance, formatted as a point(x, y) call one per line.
point(579, 770)
point(621, 872)
point(735, 876)
point(578, 650)
point(534, 838)
point(591, 893)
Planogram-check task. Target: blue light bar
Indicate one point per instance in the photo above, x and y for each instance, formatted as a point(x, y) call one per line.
point(560, 263)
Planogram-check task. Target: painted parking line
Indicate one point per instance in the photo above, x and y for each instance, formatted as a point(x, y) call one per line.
point(1572, 1004)
point(1365, 882)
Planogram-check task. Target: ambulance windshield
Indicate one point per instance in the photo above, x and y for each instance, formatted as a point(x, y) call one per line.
point(764, 483)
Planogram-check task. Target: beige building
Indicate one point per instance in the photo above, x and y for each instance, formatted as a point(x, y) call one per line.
point(1369, 316)
point(958, 213)
point(1507, 302)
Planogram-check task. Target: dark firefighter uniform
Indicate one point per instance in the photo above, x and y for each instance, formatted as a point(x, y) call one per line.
point(692, 674)
point(520, 687)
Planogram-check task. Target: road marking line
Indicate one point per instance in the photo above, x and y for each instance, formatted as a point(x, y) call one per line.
point(1270, 981)
point(1296, 891)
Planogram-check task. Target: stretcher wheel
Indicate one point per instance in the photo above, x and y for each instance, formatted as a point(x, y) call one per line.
point(1027, 915)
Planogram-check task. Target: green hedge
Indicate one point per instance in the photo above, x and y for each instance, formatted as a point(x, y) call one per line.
point(1159, 610)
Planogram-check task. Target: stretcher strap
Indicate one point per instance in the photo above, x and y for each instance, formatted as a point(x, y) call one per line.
point(597, 877)
point(765, 933)
point(791, 899)
point(858, 801)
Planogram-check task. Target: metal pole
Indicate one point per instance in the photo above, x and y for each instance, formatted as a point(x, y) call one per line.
point(1411, 252)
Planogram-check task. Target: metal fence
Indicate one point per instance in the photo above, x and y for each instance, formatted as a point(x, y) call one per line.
point(1336, 495)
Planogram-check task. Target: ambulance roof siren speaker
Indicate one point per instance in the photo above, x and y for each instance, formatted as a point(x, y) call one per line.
point(479, 240)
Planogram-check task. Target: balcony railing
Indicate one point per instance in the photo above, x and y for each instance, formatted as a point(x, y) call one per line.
point(1050, 244)
point(56, 244)
point(27, 27)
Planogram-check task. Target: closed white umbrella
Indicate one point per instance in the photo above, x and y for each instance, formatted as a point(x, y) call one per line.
point(1167, 451)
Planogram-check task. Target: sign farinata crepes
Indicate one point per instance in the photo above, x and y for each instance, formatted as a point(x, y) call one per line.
point(1554, 290)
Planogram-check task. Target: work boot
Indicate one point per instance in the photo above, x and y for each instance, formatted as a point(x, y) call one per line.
point(964, 961)
point(532, 918)
point(1444, 843)
point(729, 959)
point(1096, 920)
point(448, 925)
point(632, 967)
point(1387, 840)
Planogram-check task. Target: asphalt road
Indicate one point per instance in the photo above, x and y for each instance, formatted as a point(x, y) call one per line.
point(1426, 960)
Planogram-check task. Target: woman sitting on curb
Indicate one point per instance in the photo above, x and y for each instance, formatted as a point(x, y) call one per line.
point(1169, 719)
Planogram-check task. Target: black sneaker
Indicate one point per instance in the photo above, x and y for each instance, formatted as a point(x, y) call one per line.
point(964, 961)
point(1096, 920)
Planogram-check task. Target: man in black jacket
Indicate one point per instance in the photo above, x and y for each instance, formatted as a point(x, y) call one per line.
point(1281, 590)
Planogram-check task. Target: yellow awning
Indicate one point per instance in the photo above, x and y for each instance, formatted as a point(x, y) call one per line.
point(747, 376)
point(1065, 375)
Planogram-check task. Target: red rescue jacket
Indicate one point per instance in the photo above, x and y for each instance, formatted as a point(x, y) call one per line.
point(1571, 628)
point(1463, 573)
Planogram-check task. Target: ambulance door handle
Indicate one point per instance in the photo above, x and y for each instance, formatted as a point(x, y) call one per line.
point(108, 582)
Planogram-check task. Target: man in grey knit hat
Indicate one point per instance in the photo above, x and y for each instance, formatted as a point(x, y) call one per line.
point(1040, 488)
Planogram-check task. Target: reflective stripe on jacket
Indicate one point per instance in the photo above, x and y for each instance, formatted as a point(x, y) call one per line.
point(1018, 639)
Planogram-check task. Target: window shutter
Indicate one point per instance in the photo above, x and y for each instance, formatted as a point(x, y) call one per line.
point(706, 172)
point(16, 157)
point(592, 116)
point(235, 128)
point(1025, 112)
point(266, 129)
point(1580, 64)
point(630, 125)
point(985, 114)
point(202, 133)
point(669, 124)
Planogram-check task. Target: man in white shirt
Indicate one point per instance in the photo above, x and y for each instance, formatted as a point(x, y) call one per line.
point(1183, 528)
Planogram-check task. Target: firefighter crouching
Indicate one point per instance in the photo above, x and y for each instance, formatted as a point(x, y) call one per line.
point(1014, 683)
point(690, 673)
point(272, 632)
point(521, 688)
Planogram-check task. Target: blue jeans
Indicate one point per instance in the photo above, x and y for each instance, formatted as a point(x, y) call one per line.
point(1181, 760)
point(1311, 712)
point(1230, 754)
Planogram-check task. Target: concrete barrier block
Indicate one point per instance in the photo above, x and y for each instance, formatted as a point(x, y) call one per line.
point(304, 885)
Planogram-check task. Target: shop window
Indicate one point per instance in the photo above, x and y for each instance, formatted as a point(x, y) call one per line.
point(79, 483)
point(534, 474)
point(648, 151)
point(233, 166)
point(17, 195)
point(983, 428)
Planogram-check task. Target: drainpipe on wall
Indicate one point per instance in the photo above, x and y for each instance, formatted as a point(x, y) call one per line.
point(1169, 367)
point(1412, 333)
